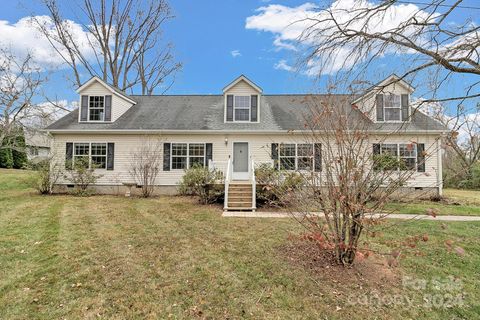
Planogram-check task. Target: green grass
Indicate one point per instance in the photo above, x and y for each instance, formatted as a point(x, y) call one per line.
point(457, 203)
point(168, 257)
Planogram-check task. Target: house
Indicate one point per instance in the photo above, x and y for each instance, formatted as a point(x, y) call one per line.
point(232, 131)
point(37, 145)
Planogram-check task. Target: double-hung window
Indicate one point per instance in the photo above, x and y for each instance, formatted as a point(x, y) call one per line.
point(405, 154)
point(287, 156)
point(96, 108)
point(296, 156)
point(185, 155)
point(241, 108)
point(305, 156)
point(196, 154)
point(392, 107)
point(408, 156)
point(179, 155)
point(99, 155)
point(94, 155)
point(81, 154)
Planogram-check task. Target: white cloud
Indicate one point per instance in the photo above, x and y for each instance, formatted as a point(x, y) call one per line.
point(283, 65)
point(23, 37)
point(235, 53)
point(288, 24)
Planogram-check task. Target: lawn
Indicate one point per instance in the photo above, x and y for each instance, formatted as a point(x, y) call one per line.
point(456, 203)
point(113, 257)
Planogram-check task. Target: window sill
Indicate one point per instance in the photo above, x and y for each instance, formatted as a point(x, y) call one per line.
point(94, 121)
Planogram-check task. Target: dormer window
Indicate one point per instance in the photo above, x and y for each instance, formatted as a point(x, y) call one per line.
point(242, 108)
point(392, 107)
point(96, 108)
point(242, 101)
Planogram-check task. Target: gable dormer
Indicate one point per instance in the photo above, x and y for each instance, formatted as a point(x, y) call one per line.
point(242, 101)
point(387, 101)
point(101, 102)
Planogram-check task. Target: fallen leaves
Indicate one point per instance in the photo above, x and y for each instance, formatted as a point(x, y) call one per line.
point(460, 251)
point(432, 212)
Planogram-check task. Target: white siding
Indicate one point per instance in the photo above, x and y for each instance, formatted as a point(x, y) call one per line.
point(242, 88)
point(119, 105)
point(260, 148)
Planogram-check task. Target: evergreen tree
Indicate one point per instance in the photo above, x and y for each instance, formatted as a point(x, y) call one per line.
point(6, 158)
point(19, 153)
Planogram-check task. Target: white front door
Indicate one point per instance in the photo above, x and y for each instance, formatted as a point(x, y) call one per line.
point(240, 161)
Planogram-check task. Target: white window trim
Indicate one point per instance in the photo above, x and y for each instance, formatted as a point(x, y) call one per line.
point(400, 157)
point(90, 154)
point(188, 154)
point(296, 157)
point(393, 121)
point(88, 108)
point(250, 111)
point(249, 108)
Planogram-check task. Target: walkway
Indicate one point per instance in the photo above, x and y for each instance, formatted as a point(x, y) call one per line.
point(258, 214)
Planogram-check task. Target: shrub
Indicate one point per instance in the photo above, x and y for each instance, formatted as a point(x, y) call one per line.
point(46, 175)
point(274, 187)
point(6, 158)
point(472, 178)
point(387, 162)
point(146, 165)
point(201, 182)
point(18, 154)
point(82, 176)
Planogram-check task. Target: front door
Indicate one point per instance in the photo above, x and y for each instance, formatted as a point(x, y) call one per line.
point(240, 161)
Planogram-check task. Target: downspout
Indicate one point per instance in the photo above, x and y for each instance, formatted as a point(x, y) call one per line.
point(439, 167)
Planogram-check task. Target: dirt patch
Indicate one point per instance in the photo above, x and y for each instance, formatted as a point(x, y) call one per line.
point(372, 272)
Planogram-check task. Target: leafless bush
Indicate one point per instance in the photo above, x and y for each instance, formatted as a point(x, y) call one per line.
point(354, 182)
point(146, 165)
point(47, 173)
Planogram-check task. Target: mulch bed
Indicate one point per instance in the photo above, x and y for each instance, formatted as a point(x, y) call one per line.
point(372, 272)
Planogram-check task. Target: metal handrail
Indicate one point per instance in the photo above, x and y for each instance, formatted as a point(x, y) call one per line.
point(227, 182)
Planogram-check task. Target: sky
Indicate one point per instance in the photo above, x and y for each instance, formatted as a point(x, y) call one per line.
point(216, 41)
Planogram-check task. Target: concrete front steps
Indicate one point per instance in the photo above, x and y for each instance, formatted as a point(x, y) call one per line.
point(239, 197)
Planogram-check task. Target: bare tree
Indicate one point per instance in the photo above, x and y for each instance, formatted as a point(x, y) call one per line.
point(146, 165)
point(352, 38)
point(124, 37)
point(20, 82)
point(360, 172)
point(462, 144)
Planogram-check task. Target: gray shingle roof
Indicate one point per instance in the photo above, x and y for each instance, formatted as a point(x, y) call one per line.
point(206, 112)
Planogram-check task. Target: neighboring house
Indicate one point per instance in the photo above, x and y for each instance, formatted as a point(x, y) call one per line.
point(37, 145)
point(237, 129)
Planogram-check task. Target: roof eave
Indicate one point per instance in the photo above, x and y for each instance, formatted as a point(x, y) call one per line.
point(107, 86)
point(244, 78)
point(392, 79)
point(184, 132)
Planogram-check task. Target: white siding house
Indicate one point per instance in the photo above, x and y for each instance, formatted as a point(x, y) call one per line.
point(236, 129)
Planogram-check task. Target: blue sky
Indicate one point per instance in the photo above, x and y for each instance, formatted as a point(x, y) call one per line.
point(213, 42)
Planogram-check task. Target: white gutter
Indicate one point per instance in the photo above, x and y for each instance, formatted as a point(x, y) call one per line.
point(150, 131)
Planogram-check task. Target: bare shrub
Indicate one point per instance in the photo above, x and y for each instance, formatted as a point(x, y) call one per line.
point(354, 182)
point(47, 173)
point(145, 165)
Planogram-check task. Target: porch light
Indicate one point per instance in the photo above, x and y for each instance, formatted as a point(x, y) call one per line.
point(226, 141)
